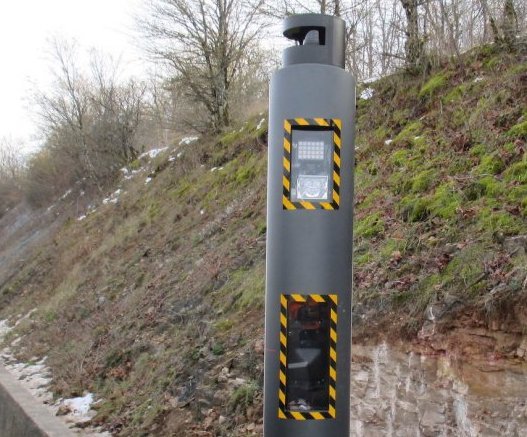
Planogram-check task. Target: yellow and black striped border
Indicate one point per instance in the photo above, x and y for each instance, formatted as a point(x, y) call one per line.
point(289, 124)
point(283, 413)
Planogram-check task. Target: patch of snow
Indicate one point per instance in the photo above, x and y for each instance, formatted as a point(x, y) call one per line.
point(4, 329)
point(213, 169)
point(50, 207)
point(79, 406)
point(202, 212)
point(148, 180)
point(188, 140)
point(388, 142)
point(366, 94)
point(81, 218)
point(179, 155)
point(478, 79)
point(124, 170)
point(171, 158)
point(113, 198)
point(371, 79)
point(417, 137)
point(152, 153)
point(66, 194)
point(260, 124)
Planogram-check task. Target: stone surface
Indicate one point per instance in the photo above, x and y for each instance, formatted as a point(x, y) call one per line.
point(395, 393)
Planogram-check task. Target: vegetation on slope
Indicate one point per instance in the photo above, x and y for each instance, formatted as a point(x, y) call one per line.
point(156, 303)
point(441, 191)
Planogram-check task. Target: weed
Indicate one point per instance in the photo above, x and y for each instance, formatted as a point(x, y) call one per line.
point(434, 83)
point(414, 208)
point(519, 130)
point(423, 180)
point(408, 134)
point(445, 201)
point(370, 226)
point(490, 164)
point(517, 172)
point(243, 397)
point(224, 325)
point(217, 349)
point(500, 221)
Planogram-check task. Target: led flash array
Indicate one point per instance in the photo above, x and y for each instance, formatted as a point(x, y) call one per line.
point(312, 150)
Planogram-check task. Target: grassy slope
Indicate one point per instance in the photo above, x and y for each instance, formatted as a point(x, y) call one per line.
point(438, 206)
point(144, 302)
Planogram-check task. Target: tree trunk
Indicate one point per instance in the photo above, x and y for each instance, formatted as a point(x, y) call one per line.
point(414, 47)
point(510, 25)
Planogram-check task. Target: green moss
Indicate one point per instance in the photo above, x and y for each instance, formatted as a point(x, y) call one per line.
point(500, 221)
point(517, 195)
point(399, 182)
point(493, 187)
point(434, 83)
point(381, 133)
point(519, 131)
point(479, 150)
point(135, 164)
point(456, 94)
point(490, 164)
point(224, 325)
point(466, 267)
point(517, 172)
point(445, 201)
point(423, 181)
point(509, 147)
point(414, 208)
point(400, 158)
point(369, 226)
point(407, 135)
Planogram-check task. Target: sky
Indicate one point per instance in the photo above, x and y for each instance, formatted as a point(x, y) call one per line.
point(26, 27)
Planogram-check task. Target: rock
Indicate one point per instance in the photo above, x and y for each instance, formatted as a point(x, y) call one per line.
point(63, 410)
point(522, 349)
point(432, 419)
point(259, 347)
point(237, 382)
point(219, 398)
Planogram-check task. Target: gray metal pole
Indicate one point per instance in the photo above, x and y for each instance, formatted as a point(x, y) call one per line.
point(309, 234)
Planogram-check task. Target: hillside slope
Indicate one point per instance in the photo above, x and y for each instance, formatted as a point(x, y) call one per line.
point(154, 301)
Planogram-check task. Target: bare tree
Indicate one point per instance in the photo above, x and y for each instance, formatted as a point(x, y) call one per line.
point(205, 42)
point(11, 171)
point(89, 122)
